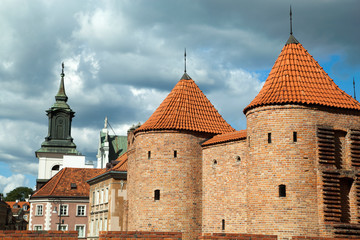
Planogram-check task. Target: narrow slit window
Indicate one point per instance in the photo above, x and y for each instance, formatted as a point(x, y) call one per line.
point(294, 136)
point(149, 154)
point(238, 159)
point(269, 137)
point(157, 194)
point(282, 190)
point(175, 154)
point(223, 224)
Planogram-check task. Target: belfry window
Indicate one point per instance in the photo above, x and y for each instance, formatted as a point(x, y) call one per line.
point(269, 137)
point(157, 194)
point(345, 187)
point(282, 190)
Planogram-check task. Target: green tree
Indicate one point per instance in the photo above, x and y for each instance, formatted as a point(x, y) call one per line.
point(19, 193)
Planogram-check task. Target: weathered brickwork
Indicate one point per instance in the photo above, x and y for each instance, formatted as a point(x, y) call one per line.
point(153, 165)
point(224, 187)
point(140, 235)
point(295, 165)
point(35, 235)
point(239, 236)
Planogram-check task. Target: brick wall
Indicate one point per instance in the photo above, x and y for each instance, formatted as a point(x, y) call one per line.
point(118, 235)
point(224, 188)
point(43, 235)
point(294, 164)
point(239, 236)
point(178, 179)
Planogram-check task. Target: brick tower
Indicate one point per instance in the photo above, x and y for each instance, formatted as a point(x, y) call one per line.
point(165, 157)
point(303, 136)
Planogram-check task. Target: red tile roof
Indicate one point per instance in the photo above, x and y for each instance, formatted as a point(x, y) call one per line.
point(20, 204)
point(122, 165)
point(186, 108)
point(226, 137)
point(60, 184)
point(297, 78)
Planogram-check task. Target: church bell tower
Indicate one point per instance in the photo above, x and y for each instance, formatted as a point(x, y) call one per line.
point(58, 142)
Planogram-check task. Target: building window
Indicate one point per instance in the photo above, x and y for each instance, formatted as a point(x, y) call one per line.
point(64, 210)
point(269, 137)
point(175, 154)
point(157, 194)
point(81, 230)
point(238, 159)
point(215, 162)
point(97, 197)
point(80, 211)
point(25, 207)
point(100, 225)
point(282, 190)
point(101, 196)
point(39, 210)
point(294, 136)
point(62, 227)
point(223, 224)
point(38, 227)
point(105, 224)
point(106, 195)
point(96, 227)
point(92, 227)
point(149, 154)
point(93, 198)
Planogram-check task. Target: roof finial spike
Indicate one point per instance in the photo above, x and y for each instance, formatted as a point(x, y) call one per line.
point(62, 71)
point(291, 32)
point(354, 88)
point(185, 60)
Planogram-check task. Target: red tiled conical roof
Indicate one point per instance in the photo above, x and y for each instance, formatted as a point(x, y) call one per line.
point(297, 78)
point(186, 108)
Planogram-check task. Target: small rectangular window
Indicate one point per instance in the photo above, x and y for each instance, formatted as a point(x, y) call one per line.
point(80, 210)
point(294, 136)
point(39, 210)
point(269, 137)
point(149, 154)
point(64, 210)
point(175, 154)
point(223, 224)
point(282, 190)
point(157, 194)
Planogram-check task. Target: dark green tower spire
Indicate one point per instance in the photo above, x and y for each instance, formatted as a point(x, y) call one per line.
point(60, 115)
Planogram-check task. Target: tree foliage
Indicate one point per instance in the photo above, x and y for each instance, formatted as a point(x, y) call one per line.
point(19, 193)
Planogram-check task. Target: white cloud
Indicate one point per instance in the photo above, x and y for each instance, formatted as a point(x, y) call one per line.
point(7, 184)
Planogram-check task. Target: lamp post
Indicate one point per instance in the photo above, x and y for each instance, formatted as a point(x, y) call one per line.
point(55, 211)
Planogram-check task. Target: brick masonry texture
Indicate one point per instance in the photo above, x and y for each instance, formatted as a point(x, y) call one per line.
point(37, 235)
point(140, 235)
point(178, 179)
point(294, 164)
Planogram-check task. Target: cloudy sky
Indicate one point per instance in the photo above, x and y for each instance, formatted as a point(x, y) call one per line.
point(123, 57)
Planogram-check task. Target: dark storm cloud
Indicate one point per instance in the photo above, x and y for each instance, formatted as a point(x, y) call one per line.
point(123, 57)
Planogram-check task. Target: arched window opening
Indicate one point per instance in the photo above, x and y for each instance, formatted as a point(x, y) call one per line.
point(238, 159)
point(55, 168)
point(157, 194)
point(149, 154)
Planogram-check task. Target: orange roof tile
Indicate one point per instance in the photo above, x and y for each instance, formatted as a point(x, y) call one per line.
point(186, 108)
point(20, 204)
point(60, 184)
point(122, 165)
point(297, 78)
point(226, 137)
